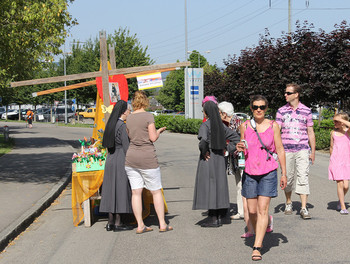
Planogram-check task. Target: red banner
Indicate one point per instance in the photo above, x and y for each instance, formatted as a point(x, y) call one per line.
point(117, 86)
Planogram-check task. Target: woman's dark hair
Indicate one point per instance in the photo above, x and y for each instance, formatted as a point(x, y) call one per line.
point(109, 135)
point(258, 97)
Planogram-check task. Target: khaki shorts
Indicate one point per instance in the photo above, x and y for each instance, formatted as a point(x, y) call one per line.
point(149, 179)
point(298, 166)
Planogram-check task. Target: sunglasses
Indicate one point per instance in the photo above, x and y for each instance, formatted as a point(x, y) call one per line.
point(288, 93)
point(256, 107)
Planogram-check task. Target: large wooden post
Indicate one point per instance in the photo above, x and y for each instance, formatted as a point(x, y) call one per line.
point(104, 70)
point(112, 57)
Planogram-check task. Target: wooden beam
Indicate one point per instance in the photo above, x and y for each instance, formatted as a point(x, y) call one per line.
point(89, 83)
point(89, 75)
point(104, 69)
point(149, 68)
point(71, 77)
point(112, 57)
point(65, 88)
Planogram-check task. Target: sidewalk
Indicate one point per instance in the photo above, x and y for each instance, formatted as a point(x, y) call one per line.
point(32, 176)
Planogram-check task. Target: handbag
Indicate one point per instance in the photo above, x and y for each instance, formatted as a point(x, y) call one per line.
point(273, 154)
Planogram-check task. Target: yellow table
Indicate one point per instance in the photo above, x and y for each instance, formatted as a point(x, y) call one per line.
point(84, 187)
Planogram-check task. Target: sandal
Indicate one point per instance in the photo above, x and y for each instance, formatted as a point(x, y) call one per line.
point(246, 235)
point(144, 230)
point(257, 257)
point(166, 229)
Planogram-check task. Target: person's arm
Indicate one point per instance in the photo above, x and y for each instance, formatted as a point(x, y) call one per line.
point(154, 133)
point(331, 145)
point(233, 138)
point(124, 138)
point(240, 145)
point(343, 121)
point(281, 154)
point(312, 142)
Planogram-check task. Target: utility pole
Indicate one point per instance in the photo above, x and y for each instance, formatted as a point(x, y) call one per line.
point(289, 17)
point(187, 96)
point(65, 84)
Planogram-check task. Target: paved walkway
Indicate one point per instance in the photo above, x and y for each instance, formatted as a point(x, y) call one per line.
point(33, 174)
point(52, 238)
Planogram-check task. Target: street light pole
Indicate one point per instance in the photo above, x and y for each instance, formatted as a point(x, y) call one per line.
point(65, 84)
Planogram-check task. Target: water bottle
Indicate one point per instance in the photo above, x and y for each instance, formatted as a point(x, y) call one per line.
point(241, 157)
point(241, 160)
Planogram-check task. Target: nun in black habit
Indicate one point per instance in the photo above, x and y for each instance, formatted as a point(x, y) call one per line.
point(211, 186)
point(116, 191)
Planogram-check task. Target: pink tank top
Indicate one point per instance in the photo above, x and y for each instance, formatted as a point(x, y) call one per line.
point(255, 156)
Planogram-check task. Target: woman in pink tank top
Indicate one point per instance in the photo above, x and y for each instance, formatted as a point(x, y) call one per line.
point(260, 173)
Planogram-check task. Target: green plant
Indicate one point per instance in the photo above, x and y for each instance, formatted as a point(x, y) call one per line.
point(327, 113)
point(178, 124)
point(323, 137)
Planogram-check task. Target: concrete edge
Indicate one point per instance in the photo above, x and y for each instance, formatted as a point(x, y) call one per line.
point(25, 220)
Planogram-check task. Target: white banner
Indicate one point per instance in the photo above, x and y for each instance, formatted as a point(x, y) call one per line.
point(149, 81)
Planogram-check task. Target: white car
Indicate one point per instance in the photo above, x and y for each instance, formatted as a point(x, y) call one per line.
point(242, 116)
point(11, 114)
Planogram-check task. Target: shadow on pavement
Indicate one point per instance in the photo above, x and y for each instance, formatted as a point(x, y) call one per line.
point(296, 207)
point(55, 163)
point(270, 240)
point(333, 205)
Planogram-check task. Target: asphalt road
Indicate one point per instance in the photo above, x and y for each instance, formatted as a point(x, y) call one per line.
point(52, 238)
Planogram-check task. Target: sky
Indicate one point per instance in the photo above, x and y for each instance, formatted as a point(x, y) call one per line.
point(222, 27)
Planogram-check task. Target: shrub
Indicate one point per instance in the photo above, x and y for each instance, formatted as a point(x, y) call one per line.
point(323, 139)
point(178, 124)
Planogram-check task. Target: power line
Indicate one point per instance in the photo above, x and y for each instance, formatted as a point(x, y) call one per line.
point(247, 36)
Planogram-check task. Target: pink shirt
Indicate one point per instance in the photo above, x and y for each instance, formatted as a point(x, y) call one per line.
point(255, 156)
point(294, 124)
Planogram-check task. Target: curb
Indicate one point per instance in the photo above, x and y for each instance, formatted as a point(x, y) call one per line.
point(21, 224)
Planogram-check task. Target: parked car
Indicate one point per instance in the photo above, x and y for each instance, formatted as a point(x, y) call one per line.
point(89, 113)
point(43, 115)
point(242, 116)
point(24, 114)
point(12, 114)
point(2, 110)
point(168, 111)
point(156, 112)
point(315, 115)
point(59, 114)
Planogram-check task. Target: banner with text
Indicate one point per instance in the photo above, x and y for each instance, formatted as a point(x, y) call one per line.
point(149, 81)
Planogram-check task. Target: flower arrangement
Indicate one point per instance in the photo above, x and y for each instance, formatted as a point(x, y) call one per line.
point(91, 157)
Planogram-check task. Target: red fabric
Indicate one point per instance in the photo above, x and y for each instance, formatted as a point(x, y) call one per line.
point(123, 86)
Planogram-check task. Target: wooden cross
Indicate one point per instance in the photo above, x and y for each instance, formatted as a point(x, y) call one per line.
point(104, 73)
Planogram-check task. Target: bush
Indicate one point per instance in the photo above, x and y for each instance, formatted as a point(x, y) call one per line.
point(178, 124)
point(323, 139)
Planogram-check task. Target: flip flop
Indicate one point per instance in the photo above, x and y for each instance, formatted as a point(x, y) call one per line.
point(166, 229)
point(144, 230)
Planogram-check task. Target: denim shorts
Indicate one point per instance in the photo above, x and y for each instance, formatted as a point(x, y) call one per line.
point(261, 185)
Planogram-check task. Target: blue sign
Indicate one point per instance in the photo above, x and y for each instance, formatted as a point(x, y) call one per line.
point(194, 89)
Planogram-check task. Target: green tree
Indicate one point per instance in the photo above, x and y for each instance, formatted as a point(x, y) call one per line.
point(31, 32)
point(172, 95)
point(318, 61)
point(193, 58)
point(85, 57)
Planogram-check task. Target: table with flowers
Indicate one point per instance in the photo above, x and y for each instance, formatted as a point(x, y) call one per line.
point(87, 178)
